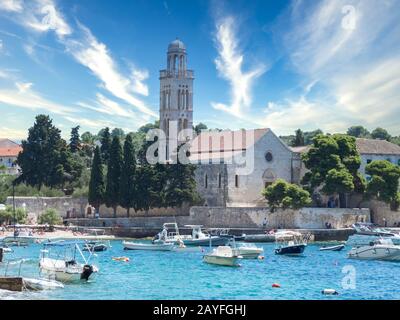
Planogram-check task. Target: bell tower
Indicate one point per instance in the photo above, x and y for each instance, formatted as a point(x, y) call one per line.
point(176, 93)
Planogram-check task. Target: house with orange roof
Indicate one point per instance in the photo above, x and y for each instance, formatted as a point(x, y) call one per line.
point(9, 151)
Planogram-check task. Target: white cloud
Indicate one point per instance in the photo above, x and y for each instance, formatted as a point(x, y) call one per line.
point(94, 124)
point(1, 45)
point(230, 67)
point(43, 16)
point(24, 97)
point(359, 68)
point(11, 5)
point(12, 133)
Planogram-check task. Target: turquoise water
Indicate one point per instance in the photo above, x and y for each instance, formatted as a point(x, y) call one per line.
point(173, 275)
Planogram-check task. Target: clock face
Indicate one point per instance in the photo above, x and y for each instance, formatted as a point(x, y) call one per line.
point(268, 156)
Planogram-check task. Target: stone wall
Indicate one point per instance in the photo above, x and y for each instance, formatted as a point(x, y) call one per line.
point(219, 217)
point(381, 212)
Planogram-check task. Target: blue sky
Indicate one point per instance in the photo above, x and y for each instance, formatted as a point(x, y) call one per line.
point(278, 64)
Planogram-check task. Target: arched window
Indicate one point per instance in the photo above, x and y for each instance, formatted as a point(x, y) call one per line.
point(219, 180)
point(187, 99)
point(236, 181)
point(205, 181)
point(179, 99)
point(185, 124)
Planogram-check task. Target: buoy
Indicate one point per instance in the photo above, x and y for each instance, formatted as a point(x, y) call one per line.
point(329, 292)
point(124, 259)
point(276, 285)
point(260, 257)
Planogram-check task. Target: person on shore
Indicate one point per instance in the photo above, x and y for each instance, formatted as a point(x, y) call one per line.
point(264, 224)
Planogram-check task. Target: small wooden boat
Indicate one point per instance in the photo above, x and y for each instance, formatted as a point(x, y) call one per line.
point(223, 256)
point(338, 247)
point(147, 246)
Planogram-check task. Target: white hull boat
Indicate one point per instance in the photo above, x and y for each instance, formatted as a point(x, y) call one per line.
point(19, 240)
point(223, 256)
point(66, 271)
point(148, 246)
point(187, 249)
point(248, 251)
point(338, 247)
point(382, 249)
point(41, 284)
point(363, 239)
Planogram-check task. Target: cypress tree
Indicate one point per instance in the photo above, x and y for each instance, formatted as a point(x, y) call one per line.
point(105, 144)
point(128, 181)
point(96, 184)
point(75, 140)
point(298, 141)
point(112, 195)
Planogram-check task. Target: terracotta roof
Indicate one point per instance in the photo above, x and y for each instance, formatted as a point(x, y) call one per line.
point(9, 148)
point(370, 146)
point(224, 141)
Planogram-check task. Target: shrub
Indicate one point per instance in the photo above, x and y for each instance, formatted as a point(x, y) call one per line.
point(50, 217)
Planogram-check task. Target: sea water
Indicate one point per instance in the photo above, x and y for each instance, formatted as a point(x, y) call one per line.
point(184, 275)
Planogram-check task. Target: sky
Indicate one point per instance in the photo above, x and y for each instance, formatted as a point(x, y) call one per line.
point(284, 64)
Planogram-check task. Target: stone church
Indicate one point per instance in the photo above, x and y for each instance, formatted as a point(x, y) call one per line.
point(233, 167)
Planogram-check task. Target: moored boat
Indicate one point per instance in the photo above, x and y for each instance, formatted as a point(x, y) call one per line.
point(247, 250)
point(290, 243)
point(223, 256)
point(381, 249)
point(62, 265)
point(148, 246)
point(338, 247)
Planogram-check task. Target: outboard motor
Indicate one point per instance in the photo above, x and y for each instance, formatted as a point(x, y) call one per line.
point(87, 271)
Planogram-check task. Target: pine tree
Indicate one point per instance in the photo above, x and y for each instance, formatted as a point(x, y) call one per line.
point(105, 144)
point(298, 141)
point(75, 140)
point(96, 184)
point(128, 178)
point(44, 160)
point(112, 195)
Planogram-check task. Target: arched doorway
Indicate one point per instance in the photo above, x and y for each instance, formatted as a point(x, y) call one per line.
point(268, 177)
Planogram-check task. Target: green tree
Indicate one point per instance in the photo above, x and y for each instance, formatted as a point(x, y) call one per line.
point(75, 140)
point(7, 215)
point(358, 132)
point(310, 135)
point(105, 140)
point(96, 184)
point(384, 183)
point(50, 217)
point(298, 141)
point(112, 195)
point(380, 133)
point(118, 132)
point(128, 178)
point(181, 185)
point(282, 194)
point(199, 127)
point(45, 156)
point(339, 153)
point(88, 138)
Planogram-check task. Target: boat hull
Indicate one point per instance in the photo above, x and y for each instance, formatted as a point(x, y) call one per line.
point(58, 270)
point(221, 261)
point(147, 246)
point(333, 248)
point(291, 250)
point(248, 253)
point(375, 253)
point(41, 284)
point(215, 241)
point(260, 238)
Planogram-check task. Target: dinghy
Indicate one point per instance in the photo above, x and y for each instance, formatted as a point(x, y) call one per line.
point(148, 246)
point(247, 250)
point(338, 247)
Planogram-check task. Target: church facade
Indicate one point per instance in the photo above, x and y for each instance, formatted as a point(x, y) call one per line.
point(233, 167)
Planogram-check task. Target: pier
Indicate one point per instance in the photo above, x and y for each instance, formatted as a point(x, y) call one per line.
point(12, 283)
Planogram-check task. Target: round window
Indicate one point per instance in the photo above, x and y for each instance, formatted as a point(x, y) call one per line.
point(268, 156)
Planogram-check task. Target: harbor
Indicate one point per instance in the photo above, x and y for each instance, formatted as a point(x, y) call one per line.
point(319, 271)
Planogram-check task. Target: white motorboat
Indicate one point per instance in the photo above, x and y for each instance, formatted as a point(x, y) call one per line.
point(338, 247)
point(170, 234)
point(223, 256)
point(364, 239)
point(381, 249)
point(63, 265)
point(161, 246)
point(247, 250)
point(41, 284)
point(371, 229)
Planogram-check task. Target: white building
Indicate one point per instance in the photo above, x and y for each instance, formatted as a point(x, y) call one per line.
point(9, 151)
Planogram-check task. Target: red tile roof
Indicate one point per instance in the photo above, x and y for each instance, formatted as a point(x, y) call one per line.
point(9, 148)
